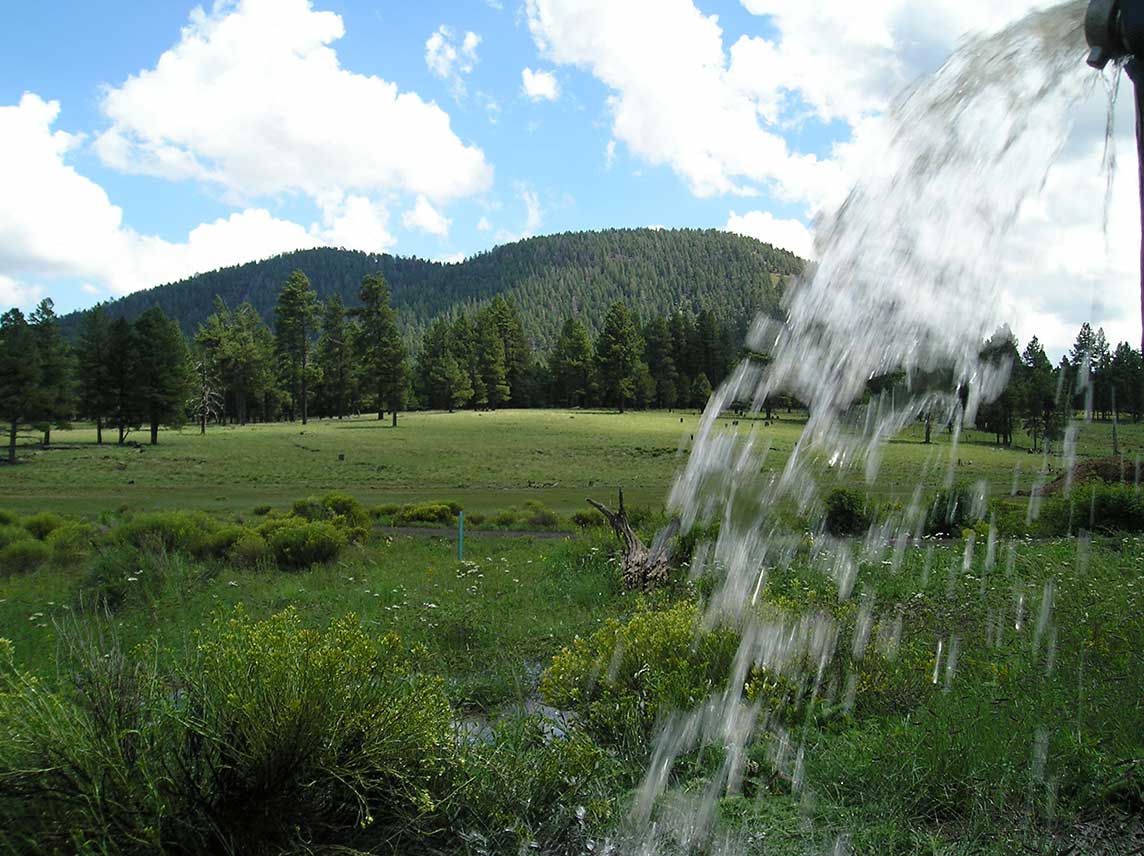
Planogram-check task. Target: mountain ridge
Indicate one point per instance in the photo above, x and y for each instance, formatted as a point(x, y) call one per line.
point(549, 278)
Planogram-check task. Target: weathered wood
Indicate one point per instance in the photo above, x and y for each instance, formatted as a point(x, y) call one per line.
point(643, 568)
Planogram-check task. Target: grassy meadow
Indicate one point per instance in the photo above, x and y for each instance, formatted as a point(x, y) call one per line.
point(482, 461)
point(178, 672)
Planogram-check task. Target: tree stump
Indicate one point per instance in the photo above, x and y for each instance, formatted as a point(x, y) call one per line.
point(643, 568)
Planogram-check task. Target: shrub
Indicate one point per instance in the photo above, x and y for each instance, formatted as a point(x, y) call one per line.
point(476, 518)
point(168, 530)
point(384, 511)
point(425, 512)
point(299, 740)
point(298, 543)
point(505, 518)
point(846, 512)
point(950, 511)
point(43, 524)
point(71, 543)
point(346, 509)
point(623, 677)
point(540, 517)
point(8, 518)
point(10, 534)
point(24, 556)
point(249, 550)
point(219, 543)
point(310, 509)
point(261, 510)
point(1107, 508)
point(587, 519)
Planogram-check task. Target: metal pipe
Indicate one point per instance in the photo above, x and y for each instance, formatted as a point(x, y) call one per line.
point(1115, 31)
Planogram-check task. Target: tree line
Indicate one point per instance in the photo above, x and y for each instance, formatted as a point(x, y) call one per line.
point(328, 360)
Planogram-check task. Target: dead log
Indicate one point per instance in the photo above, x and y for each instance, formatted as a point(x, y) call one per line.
point(643, 568)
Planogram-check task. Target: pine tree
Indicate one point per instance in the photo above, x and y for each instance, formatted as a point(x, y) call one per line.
point(661, 363)
point(383, 354)
point(92, 369)
point(571, 365)
point(121, 387)
point(162, 370)
point(56, 392)
point(619, 351)
point(20, 375)
point(517, 352)
point(293, 323)
point(700, 391)
point(1041, 415)
point(335, 357)
point(490, 353)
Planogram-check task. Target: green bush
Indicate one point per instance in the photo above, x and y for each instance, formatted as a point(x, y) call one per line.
point(219, 542)
point(8, 518)
point(311, 508)
point(43, 524)
point(71, 543)
point(261, 510)
point(249, 550)
point(346, 511)
point(539, 517)
point(24, 556)
point(622, 678)
point(1107, 508)
point(950, 511)
point(388, 510)
point(476, 518)
point(505, 518)
point(588, 519)
point(846, 512)
point(282, 739)
point(172, 531)
point(426, 512)
point(298, 543)
point(10, 534)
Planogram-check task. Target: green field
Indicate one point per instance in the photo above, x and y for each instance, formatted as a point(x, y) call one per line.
point(484, 461)
point(1032, 740)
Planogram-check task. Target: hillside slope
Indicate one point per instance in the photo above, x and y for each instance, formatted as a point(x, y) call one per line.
point(549, 278)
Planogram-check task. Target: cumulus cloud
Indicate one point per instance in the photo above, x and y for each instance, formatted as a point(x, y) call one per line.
point(57, 223)
point(253, 98)
point(539, 85)
point(423, 217)
point(483, 225)
point(450, 58)
point(18, 294)
point(792, 235)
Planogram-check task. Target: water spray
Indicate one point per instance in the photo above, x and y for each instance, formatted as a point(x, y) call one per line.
point(1115, 33)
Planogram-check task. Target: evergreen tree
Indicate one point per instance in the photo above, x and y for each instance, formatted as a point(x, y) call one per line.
point(383, 351)
point(293, 323)
point(20, 375)
point(335, 357)
point(92, 369)
point(701, 391)
point(619, 351)
point(490, 353)
point(658, 353)
point(121, 386)
point(1126, 379)
point(1040, 412)
point(517, 352)
point(444, 383)
point(998, 416)
point(56, 394)
point(570, 365)
point(162, 366)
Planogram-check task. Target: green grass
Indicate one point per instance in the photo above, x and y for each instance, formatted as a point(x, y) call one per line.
point(484, 461)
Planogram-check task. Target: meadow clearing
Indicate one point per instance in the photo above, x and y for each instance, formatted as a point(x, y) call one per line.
point(134, 598)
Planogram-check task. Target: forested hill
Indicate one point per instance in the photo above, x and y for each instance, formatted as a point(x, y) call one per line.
point(549, 279)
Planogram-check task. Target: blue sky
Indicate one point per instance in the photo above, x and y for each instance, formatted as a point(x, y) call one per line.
point(143, 142)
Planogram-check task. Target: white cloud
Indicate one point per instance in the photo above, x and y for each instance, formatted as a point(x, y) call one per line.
point(451, 259)
point(610, 154)
point(450, 59)
point(18, 294)
point(790, 235)
point(423, 217)
point(533, 216)
point(254, 99)
point(539, 85)
point(56, 223)
point(483, 225)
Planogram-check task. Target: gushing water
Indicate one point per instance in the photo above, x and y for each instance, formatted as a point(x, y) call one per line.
point(906, 285)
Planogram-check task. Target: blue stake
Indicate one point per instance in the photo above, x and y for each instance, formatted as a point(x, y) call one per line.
point(460, 536)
